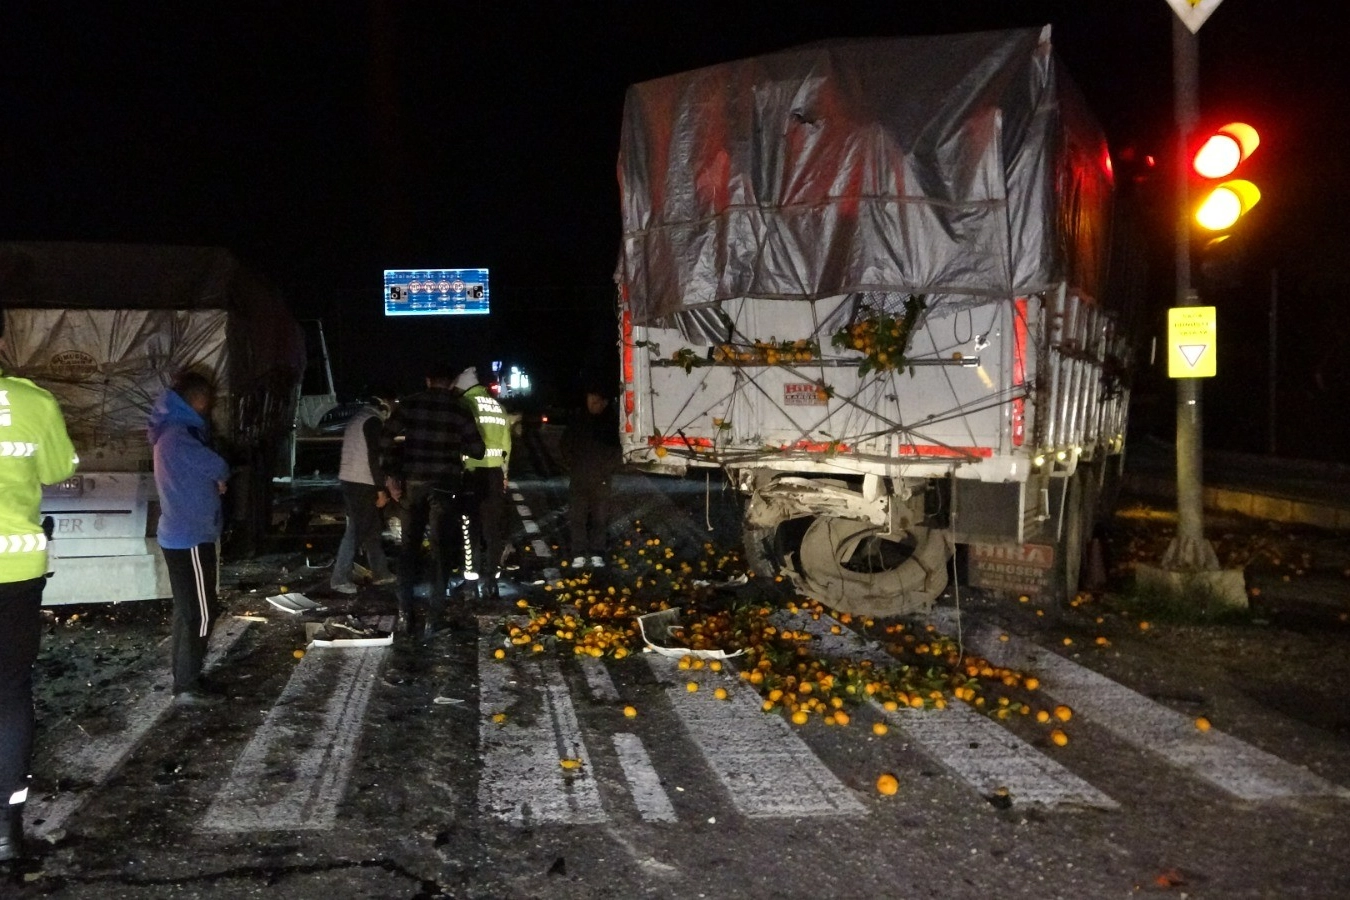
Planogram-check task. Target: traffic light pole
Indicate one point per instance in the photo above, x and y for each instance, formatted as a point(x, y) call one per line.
point(1189, 551)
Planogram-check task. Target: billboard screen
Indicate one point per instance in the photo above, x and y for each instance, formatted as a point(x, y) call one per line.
point(435, 292)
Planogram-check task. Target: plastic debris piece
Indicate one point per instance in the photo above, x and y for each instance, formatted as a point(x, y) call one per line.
point(295, 604)
point(663, 626)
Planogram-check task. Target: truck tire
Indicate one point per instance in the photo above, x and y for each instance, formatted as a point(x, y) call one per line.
point(850, 566)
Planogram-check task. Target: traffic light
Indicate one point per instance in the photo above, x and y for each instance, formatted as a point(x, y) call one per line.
point(1224, 200)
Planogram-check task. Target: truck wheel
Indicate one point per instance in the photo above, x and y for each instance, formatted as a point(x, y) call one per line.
point(851, 566)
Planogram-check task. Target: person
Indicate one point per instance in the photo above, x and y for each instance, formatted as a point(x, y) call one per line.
point(483, 515)
point(190, 477)
point(426, 471)
point(39, 452)
point(591, 453)
point(361, 478)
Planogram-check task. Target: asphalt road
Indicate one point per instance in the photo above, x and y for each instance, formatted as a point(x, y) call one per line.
point(415, 771)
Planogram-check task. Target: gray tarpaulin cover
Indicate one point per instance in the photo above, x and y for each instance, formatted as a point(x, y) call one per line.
point(958, 166)
point(106, 326)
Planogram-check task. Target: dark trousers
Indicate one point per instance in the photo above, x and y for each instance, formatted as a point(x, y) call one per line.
point(484, 520)
point(192, 575)
point(20, 630)
point(430, 507)
point(590, 516)
point(362, 533)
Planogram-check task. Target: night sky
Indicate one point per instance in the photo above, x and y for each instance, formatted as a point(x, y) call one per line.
point(325, 142)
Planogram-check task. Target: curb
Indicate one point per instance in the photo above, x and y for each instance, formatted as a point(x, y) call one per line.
point(1271, 507)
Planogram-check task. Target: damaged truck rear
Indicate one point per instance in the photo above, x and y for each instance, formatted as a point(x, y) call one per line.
point(869, 281)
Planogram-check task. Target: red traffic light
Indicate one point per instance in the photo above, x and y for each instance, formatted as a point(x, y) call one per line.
point(1224, 150)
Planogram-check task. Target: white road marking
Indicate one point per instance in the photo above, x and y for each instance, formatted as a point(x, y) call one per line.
point(974, 747)
point(318, 745)
point(541, 549)
point(530, 527)
point(523, 781)
point(1226, 762)
point(597, 677)
point(90, 760)
point(552, 573)
point(523, 511)
point(517, 497)
point(652, 802)
point(766, 768)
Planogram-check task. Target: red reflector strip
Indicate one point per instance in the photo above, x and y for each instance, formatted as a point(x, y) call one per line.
point(1019, 407)
point(679, 441)
point(948, 452)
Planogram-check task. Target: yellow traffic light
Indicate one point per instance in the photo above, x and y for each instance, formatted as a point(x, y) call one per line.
point(1226, 204)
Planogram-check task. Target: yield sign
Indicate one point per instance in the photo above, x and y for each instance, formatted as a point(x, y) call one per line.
point(1193, 13)
point(1191, 334)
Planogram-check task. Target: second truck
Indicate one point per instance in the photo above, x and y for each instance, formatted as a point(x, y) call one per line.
point(869, 281)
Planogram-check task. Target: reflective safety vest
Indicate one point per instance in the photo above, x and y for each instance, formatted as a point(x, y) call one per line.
point(492, 425)
point(34, 450)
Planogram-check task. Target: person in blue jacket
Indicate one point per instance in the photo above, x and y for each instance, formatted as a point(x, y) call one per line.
point(190, 477)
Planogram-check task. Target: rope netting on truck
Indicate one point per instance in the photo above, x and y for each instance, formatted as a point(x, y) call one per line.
point(861, 358)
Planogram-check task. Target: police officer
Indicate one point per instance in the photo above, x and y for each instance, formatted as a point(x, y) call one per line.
point(483, 516)
point(34, 450)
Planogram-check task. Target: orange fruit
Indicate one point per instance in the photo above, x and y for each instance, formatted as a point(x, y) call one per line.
point(629, 711)
point(298, 654)
point(720, 693)
point(692, 687)
point(887, 784)
point(1031, 683)
point(1202, 723)
point(1059, 738)
point(799, 717)
point(499, 653)
point(1042, 716)
point(879, 728)
point(1063, 713)
point(840, 717)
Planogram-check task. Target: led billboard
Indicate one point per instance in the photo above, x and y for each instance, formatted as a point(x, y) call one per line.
point(436, 292)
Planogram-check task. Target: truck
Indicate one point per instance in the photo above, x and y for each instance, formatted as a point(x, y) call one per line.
point(105, 328)
point(868, 280)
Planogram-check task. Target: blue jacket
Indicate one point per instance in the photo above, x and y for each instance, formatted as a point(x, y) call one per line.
point(186, 472)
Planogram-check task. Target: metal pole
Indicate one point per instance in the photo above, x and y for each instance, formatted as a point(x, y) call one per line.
point(1271, 417)
point(1189, 550)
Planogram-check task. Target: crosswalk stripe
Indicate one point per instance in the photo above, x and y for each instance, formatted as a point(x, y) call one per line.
point(651, 800)
point(91, 759)
point(321, 748)
point(768, 771)
point(597, 677)
point(979, 751)
point(522, 780)
point(530, 527)
point(540, 548)
point(523, 511)
point(1222, 760)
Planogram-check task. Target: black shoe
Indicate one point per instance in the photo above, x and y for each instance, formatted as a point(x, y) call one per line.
point(11, 833)
point(196, 699)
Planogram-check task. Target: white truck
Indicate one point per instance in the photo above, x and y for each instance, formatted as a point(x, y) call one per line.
point(868, 280)
point(105, 327)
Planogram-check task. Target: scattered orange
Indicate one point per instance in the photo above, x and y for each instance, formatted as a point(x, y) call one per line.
point(887, 784)
point(879, 728)
point(692, 687)
point(630, 711)
point(1063, 713)
point(720, 693)
point(1059, 738)
point(1202, 723)
point(799, 717)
